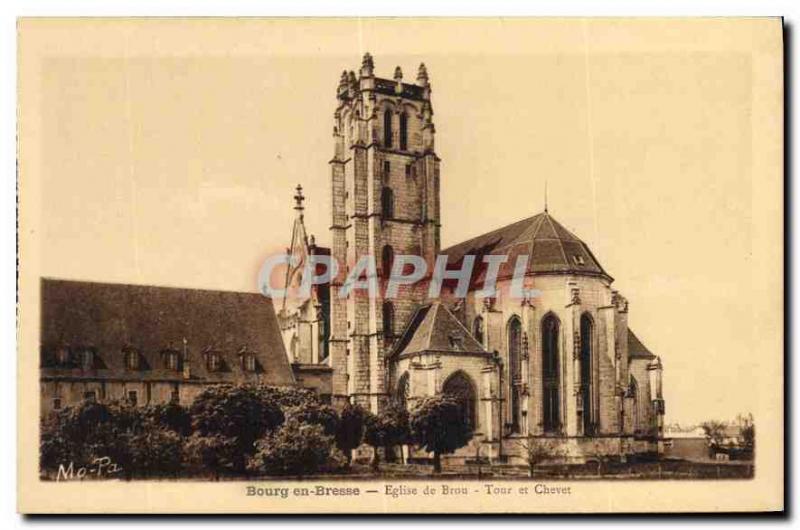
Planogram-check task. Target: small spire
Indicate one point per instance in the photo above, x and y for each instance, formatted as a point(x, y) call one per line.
point(298, 198)
point(545, 195)
point(367, 65)
point(342, 88)
point(367, 62)
point(398, 74)
point(422, 75)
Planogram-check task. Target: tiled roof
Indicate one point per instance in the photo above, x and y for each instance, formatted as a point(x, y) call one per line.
point(110, 319)
point(434, 328)
point(636, 349)
point(550, 248)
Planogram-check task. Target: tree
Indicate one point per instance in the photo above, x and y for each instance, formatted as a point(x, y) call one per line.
point(288, 396)
point(715, 433)
point(748, 437)
point(387, 429)
point(237, 415)
point(315, 413)
point(76, 433)
point(351, 429)
point(438, 425)
point(536, 451)
point(296, 448)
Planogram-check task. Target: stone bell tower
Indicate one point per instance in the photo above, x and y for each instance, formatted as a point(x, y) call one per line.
point(385, 202)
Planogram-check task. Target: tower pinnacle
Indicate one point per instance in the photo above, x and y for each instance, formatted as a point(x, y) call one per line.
point(367, 65)
point(422, 75)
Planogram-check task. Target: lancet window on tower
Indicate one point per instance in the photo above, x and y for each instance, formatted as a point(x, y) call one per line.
point(387, 128)
point(387, 203)
point(403, 131)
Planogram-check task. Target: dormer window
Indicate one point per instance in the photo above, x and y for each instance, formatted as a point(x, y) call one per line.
point(62, 356)
point(87, 359)
point(172, 360)
point(213, 361)
point(132, 360)
point(249, 362)
point(578, 259)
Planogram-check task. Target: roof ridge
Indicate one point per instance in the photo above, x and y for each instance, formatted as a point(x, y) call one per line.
point(560, 242)
point(435, 306)
point(469, 334)
point(492, 232)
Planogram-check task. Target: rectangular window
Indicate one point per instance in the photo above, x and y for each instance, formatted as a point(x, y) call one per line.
point(90, 396)
point(133, 397)
point(387, 168)
point(176, 395)
point(57, 404)
point(408, 170)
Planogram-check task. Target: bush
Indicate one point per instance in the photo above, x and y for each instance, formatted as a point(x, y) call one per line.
point(438, 425)
point(351, 429)
point(239, 415)
point(169, 416)
point(294, 449)
point(154, 452)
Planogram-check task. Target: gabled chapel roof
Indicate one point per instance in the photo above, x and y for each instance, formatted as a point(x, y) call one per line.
point(433, 328)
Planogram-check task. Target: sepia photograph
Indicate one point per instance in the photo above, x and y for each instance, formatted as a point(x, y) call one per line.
point(269, 261)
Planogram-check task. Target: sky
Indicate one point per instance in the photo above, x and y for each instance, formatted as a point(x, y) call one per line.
point(173, 161)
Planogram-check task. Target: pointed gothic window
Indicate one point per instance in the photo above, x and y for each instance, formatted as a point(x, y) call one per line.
point(515, 372)
point(402, 391)
point(387, 203)
point(403, 131)
point(387, 128)
point(460, 387)
point(586, 375)
point(551, 408)
point(477, 329)
point(388, 320)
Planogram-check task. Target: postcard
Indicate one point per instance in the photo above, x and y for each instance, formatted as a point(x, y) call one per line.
point(399, 265)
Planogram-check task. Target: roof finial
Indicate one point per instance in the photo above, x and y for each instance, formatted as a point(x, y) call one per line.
point(298, 198)
point(422, 75)
point(398, 74)
point(545, 195)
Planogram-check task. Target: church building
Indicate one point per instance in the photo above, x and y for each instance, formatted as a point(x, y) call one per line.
point(560, 365)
